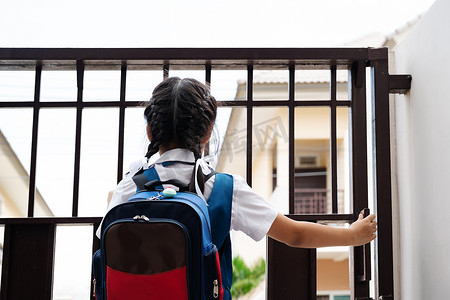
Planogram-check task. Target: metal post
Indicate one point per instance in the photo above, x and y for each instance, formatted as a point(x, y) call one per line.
point(382, 177)
point(121, 141)
point(359, 257)
point(291, 116)
point(333, 142)
point(76, 176)
point(249, 123)
point(32, 185)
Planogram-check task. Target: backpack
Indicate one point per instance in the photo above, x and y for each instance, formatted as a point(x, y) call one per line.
point(162, 244)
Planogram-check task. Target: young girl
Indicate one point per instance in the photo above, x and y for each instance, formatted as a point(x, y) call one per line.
point(180, 118)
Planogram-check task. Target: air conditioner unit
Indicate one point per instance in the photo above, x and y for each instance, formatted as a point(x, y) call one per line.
point(308, 161)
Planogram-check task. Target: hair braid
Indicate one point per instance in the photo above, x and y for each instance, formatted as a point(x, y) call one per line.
point(181, 111)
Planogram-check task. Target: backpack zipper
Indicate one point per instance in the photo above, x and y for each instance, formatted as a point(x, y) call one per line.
point(143, 217)
point(215, 289)
point(94, 283)
point(160, 197)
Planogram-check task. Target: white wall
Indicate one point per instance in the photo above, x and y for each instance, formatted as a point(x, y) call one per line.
point(422, 132)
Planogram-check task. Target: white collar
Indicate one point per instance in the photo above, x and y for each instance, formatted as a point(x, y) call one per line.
point(177, 154)
point(185, 155)
point(180, 154)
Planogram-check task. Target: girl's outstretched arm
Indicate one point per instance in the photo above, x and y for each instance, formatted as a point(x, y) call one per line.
point(312, 235)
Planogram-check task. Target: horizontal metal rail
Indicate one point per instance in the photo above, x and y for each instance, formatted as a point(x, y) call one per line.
point(194, 58)
point(53, 221)
point(230, 103)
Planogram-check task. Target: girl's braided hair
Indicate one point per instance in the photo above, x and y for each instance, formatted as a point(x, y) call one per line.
point(180, 111)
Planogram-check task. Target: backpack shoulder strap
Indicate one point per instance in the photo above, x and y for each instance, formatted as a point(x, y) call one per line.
point(219, 206)
point(143, 176)
point(149, 180)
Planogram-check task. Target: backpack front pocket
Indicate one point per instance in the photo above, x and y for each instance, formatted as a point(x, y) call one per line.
point(146, 260)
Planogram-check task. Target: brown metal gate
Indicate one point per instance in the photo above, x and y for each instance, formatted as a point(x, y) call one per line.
point(291, 272)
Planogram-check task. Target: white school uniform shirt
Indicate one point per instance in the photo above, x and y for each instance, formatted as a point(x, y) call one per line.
point(250, 213)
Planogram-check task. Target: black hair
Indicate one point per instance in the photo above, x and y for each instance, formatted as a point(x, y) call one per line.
point(180, 111)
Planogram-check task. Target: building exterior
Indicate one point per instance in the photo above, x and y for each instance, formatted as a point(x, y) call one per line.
point(14, 186)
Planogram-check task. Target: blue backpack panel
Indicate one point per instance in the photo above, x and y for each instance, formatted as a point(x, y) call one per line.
point(163, 246)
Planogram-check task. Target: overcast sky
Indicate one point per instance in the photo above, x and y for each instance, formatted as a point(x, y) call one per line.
point(199, 23)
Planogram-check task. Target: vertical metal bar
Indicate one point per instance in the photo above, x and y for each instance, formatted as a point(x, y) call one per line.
point(208, 74)
point(95, 239)
point(32, 246)
point(382, 177)
point(208, 83)
point(249, 123)
point(358, 261)
point(76, 176)
point(5, 261)
point(333, 142)
point(313, 274)
point(165, 71)
point(34, 141)
point(123, 83)
point(95, 247)
point(291, 272)
point(49, 260)
point(291, 115)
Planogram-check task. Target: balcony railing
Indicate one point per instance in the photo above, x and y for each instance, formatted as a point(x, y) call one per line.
point(29, 243)
point(313, 201)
